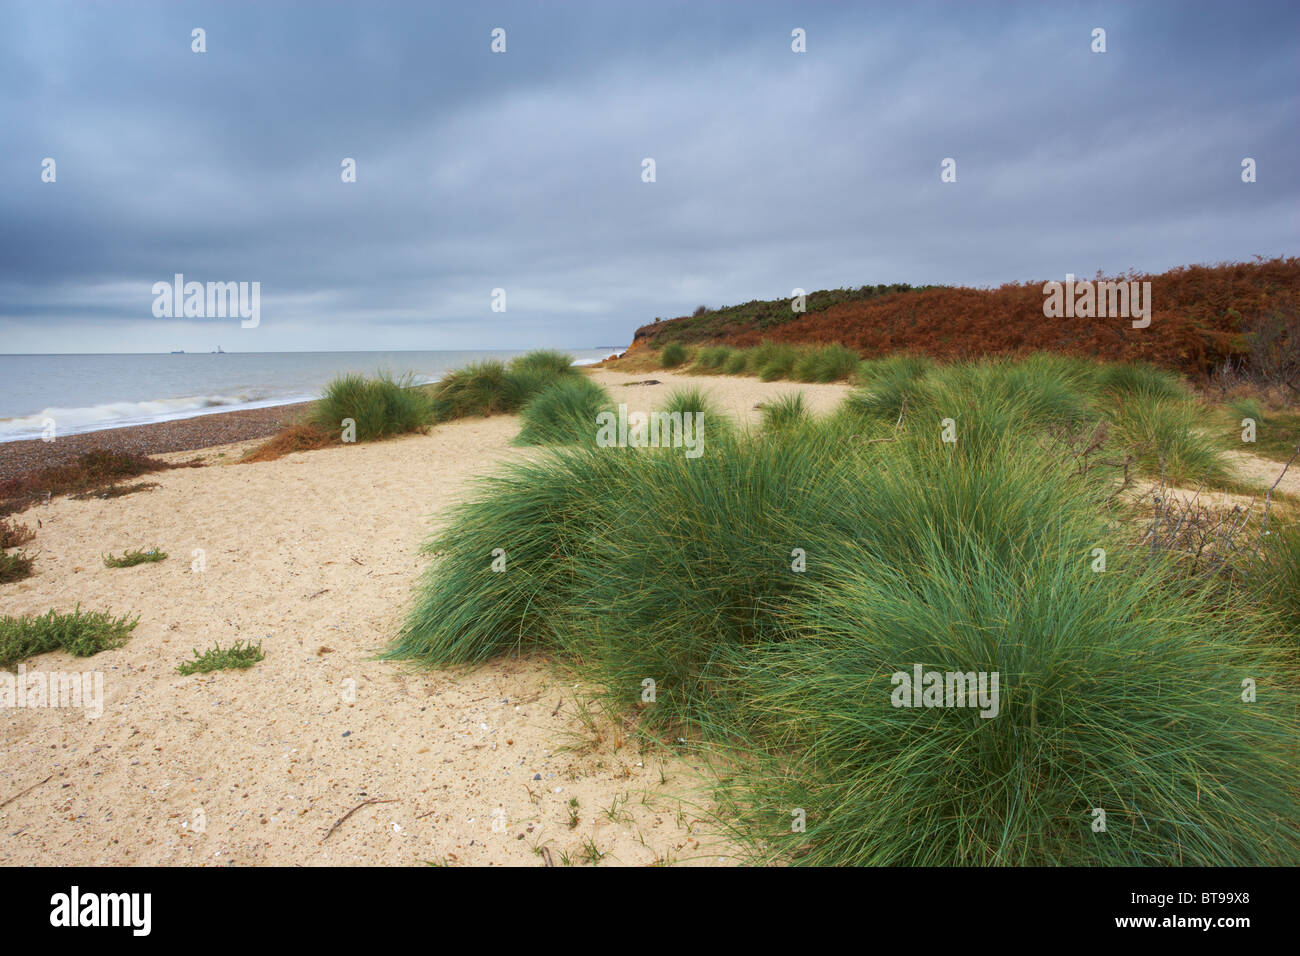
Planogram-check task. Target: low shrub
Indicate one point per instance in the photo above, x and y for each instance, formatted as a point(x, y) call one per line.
point(130, 559)
point(238, 656)
point(81, 633)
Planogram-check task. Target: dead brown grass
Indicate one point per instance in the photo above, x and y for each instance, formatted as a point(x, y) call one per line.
point(12, 534)
point(303, 436)
point(115, 491)
point(92, 470)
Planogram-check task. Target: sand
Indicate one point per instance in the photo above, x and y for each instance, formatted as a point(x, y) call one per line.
point(315, 555)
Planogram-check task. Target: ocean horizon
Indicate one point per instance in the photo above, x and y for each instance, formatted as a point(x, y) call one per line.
point(93, 391)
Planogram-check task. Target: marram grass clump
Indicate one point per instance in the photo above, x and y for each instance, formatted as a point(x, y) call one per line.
point(564, 413)
point(785, 412)
point(494, 388)
point(356, 408)
point(673, 355)
point(775, 589)
point(829, 363)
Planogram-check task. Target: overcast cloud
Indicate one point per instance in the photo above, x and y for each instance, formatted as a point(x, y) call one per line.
point(522, 170)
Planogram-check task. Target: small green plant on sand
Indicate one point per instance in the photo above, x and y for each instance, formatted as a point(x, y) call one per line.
point(238, 656)
point(130, 559)
point(80, 633)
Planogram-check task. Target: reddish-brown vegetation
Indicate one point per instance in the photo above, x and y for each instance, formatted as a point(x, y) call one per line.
point(94, 469)
point(303, 436)
point(12, 534)
point(1200, 317)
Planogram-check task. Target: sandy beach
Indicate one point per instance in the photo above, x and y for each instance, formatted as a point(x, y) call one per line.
point(315, 555)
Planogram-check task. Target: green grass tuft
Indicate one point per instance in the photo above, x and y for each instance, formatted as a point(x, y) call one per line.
point(493, 388)
point(737, 363)
point(564, 413)
point(673, 355)
point(785, 412)
point(830, 363)
point(1276, 580)
point(380, 407)
point(691, 400)
point(1136, 378)
point(713, 358)
point(1167, 437)
point(772, 590)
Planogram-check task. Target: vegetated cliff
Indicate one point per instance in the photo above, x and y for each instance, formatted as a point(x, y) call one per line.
point(1200, 316)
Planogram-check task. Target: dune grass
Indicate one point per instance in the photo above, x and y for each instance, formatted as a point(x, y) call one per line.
point(692, 400)
point(479, 389)
point(1276, 581)
point(773, 589)
point(673, 355)
point(357, 408)
point(773, 360)
point(493, 388)
point(1138, 379)
point(1167, 436)
point(81, 633)
point(130, 559)
point(737, 363)
point(712, 358)
point(563, 413)
point(785, 412)
point(550, 362)
point(830, 363)
point(377, 407)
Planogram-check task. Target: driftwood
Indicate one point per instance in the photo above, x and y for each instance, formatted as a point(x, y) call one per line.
point(364, 803)
point(25, 792)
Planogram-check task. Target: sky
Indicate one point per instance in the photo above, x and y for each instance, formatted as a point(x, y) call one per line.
point(524, 170)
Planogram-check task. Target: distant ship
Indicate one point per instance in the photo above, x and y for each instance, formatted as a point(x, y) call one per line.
point(217, 351)
point(178, 351)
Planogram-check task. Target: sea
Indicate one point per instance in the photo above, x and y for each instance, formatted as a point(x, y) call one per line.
point(82, 393)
